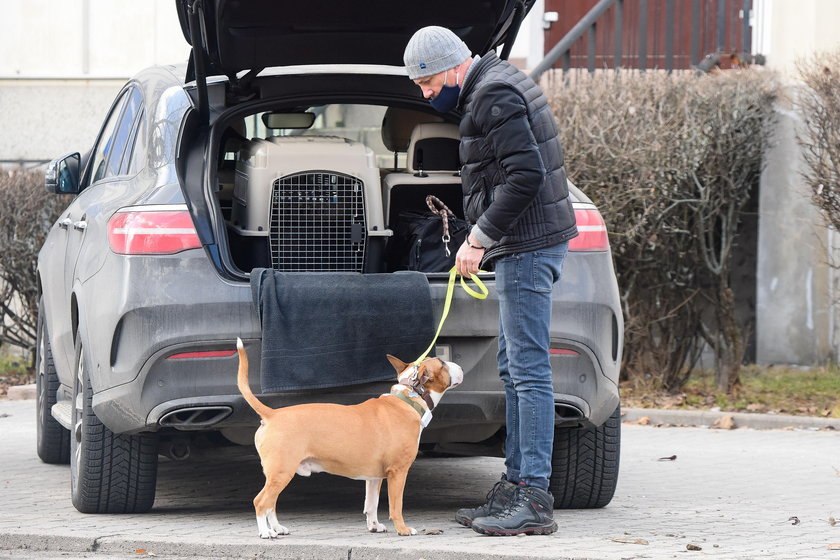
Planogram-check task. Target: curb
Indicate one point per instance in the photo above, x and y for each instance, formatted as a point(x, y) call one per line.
point(727, 420)
point(124, 545)
point(22, 392)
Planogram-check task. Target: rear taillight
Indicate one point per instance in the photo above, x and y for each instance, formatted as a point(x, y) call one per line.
point(592, 231)
point(151, 232)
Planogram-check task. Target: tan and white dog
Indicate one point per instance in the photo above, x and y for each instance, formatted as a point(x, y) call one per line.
point(371, 441)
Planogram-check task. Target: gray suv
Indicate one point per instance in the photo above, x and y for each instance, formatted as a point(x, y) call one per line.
point(292, 141)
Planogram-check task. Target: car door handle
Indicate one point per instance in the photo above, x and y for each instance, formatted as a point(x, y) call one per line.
point(65, 223)
point(80, 225)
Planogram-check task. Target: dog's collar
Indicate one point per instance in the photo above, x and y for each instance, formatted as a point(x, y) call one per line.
point(425, 413)
point(406, 398)
point(411, 378)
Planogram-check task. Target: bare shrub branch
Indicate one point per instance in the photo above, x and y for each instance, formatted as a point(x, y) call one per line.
point(671, 160)
point(26, 214)
point(819, 104)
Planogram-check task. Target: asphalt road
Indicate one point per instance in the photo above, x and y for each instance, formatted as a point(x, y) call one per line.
point(734, 494)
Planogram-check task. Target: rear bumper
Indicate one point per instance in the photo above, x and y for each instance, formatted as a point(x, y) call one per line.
point(201, 394)
point(139, 386)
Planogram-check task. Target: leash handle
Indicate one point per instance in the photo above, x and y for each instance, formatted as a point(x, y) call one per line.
point(450, 290)
point(437, 206)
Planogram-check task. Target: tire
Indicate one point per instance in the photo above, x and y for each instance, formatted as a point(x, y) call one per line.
point(53, 440)
point(585, 464)
point(109, 473)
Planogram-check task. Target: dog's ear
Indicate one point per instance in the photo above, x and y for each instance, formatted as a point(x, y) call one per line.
point(398, 364)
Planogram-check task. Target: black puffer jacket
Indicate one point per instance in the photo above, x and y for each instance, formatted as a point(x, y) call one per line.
point(512, 170)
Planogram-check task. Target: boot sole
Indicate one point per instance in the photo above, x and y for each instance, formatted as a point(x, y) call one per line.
point(464, 521)
point(546, 530)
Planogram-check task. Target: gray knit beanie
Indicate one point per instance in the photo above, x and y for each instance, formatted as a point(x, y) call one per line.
point(432, 50)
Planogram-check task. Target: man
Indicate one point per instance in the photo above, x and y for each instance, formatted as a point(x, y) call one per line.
point(515, 193)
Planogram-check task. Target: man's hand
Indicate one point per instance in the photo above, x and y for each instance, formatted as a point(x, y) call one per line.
point(468, 259)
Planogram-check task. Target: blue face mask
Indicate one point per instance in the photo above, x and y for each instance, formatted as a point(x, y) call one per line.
point(447, 99)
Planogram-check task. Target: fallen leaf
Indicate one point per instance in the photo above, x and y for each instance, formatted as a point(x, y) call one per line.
point(693, 547)
point(643, 421)
point(671, 458)
point(793, 520)
point(724, 423)
point(140, 551)
point(832, 521)
point(432, 531)
point(630, 541)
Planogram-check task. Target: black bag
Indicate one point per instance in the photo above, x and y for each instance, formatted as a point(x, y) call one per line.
point(420, 242)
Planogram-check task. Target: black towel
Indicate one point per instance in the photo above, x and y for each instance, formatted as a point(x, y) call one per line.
point(334, 329)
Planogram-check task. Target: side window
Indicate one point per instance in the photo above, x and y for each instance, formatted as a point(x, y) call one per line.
point(134, 151)
point(103, 146)
point(123, 132)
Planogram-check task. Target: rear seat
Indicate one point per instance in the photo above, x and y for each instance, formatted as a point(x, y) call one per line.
point(432, 168)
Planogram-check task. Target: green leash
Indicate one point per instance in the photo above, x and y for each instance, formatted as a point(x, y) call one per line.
point(450, 289)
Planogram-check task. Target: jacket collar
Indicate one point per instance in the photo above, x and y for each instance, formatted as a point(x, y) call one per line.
point(474, 75)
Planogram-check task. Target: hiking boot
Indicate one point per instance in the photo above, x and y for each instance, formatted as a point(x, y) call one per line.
point(530, 513)
point(498, 499)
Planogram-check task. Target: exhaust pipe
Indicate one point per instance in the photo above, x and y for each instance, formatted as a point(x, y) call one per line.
point(177, 450)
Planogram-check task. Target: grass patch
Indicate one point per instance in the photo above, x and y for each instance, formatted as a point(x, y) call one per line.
point(775, 390)
point(14, 370)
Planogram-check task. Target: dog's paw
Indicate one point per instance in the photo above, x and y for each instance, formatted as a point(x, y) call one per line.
point(274, 532)
point(278, 530)
point(268, 526)
point(269, 534)
point(377, 527)
point(407, 532)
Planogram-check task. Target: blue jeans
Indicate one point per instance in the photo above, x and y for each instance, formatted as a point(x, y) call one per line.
point(524, 282)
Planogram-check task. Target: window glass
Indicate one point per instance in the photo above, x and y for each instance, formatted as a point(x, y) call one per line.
point(124, 128)
point(132, 160)
point(362, 123)
point(103, 147)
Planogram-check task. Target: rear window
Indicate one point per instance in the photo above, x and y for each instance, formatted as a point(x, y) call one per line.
point(362, 123)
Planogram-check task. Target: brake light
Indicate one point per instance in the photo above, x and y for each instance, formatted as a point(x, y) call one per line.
point(592, 231)
point(562, 352)
point(151, 232)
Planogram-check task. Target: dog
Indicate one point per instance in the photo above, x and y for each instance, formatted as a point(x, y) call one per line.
point(371, 441)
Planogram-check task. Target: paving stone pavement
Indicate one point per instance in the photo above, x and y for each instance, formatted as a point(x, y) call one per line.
point(735, 494)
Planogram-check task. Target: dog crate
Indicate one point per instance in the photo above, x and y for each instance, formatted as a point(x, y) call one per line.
point(317, 222)
point(314, 202)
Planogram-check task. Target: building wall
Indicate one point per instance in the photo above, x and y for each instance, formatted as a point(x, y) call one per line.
point(787, 31)
point(88, 38)
point(64, 62)
point(796, 300)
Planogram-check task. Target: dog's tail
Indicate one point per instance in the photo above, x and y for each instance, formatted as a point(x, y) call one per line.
point(242, 382)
